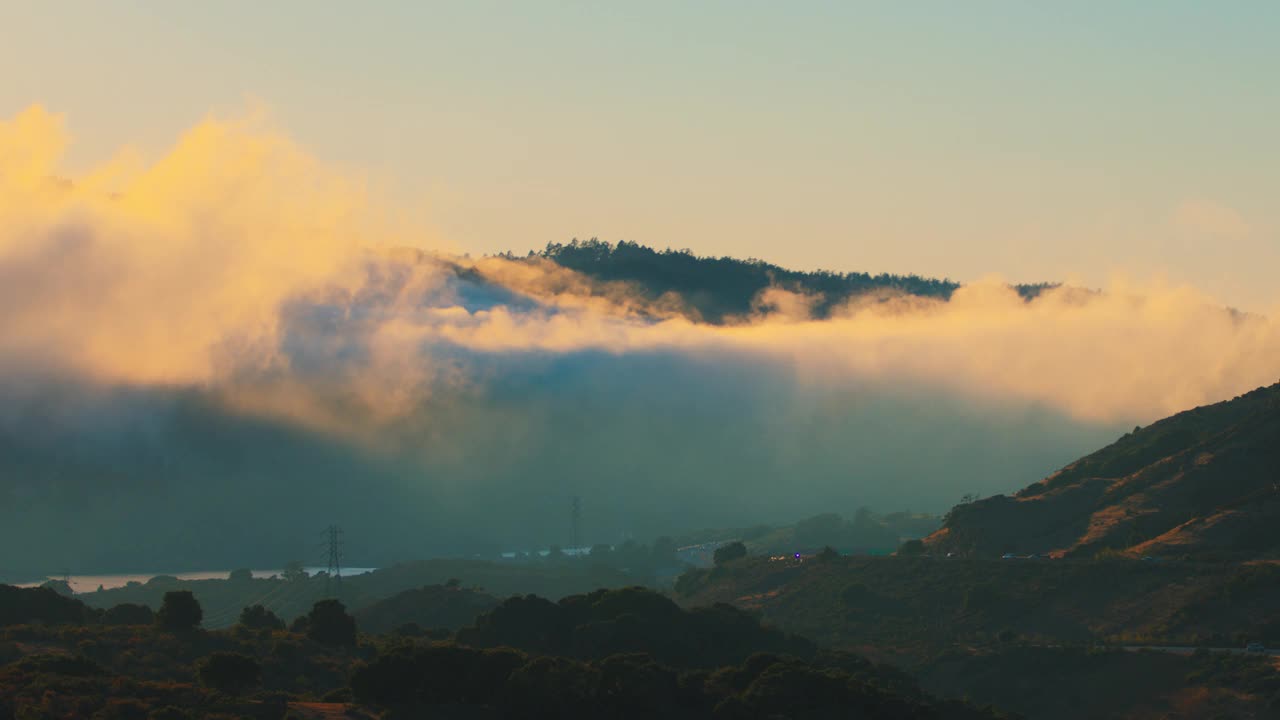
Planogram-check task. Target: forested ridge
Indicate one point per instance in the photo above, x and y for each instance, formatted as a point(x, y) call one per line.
point(718, 289)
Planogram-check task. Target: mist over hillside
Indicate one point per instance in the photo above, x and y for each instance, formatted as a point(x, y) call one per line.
point(230, 348)
point(655, 442)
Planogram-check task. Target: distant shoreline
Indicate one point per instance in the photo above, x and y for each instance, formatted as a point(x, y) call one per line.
point(89, 583)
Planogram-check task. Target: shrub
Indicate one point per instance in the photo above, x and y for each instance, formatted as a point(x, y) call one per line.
point(227, 672)
point(911, 548)
point(257, 617)
point(128, 614)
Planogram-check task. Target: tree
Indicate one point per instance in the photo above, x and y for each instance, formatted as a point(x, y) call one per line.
point(329, 624)
point(257, 617)
point(179, 612)
point(19, 606)
point(228, 672)
point(728, 553)
point(128, 614)
point(240, 575)
point(293, 571)
point(911, 548)
point(828, 554)
point(663, 553)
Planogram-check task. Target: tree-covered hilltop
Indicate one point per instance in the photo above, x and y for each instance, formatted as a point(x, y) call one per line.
point(718, 289)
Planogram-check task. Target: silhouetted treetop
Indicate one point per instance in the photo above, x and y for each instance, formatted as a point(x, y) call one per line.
point(329, 624)
point(257, 617)
point(629, 620)
point(180, 611)
point(39, 605)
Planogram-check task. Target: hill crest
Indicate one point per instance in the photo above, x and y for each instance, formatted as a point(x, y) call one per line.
point(1204, 483)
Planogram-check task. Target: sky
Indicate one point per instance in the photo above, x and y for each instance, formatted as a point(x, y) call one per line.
point(1034, 141)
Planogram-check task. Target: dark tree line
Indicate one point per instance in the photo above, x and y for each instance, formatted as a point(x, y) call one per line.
point(629, 652)
point(717, 289)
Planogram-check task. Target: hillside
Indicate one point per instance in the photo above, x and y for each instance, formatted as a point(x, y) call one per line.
point(1202, 484)
point(1039, 638)
point(428, 608)
point(904, 609)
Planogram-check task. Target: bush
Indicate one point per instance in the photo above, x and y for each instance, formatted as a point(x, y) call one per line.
point(128, 614)
point(227, 672)
point(257, 617)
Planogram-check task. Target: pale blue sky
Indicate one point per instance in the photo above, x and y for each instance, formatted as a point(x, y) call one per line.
point(1036, 140)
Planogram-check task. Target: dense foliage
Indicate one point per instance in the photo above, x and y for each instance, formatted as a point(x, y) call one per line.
point(412, 679)
point(39, 605)
point(629, 620)
point(612, 653)
point(993, 632)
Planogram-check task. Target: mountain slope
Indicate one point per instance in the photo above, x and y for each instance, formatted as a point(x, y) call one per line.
point(1204, 483)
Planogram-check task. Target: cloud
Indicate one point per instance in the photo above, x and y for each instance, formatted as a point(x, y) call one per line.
point(234, 322)
point(237, 260)
point(164, 272)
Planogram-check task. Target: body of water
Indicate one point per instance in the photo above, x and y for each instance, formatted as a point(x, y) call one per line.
point(90, 583)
